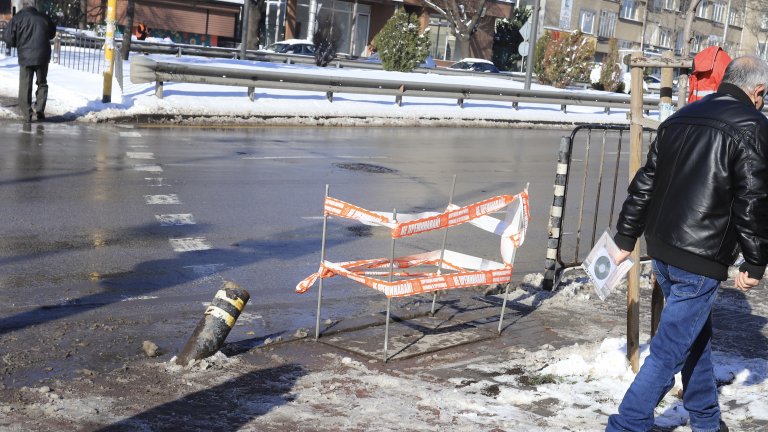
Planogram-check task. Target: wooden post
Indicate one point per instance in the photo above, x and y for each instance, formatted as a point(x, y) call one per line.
point(665, 96)
point(635, 157)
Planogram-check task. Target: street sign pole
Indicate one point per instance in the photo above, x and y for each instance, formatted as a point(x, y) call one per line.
point(532, 44)
point(109, 51)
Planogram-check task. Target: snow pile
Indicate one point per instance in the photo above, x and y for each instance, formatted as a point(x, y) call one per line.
point(76, 95)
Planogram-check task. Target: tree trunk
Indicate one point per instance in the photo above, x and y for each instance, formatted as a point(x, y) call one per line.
point(83, 14)
point(254, 20)
point(462, 49)
point(129, 13)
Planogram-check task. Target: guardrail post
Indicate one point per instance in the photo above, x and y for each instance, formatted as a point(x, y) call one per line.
point(159, 89)
point(252, 93)
point(460, 102)
point(329, 96)
point(564, 108)
point(399, 98)
point(607, 110)
point(57, 48)
point(515, 106)
point(178, 53)
point(556, 212)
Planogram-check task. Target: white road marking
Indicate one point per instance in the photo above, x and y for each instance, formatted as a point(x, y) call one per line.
point(155, 181)
point(130, 134)
point(162, 199)
point(205, 269)
point(148, 168)
point(189, 244)
point(140, 155)
point(139, 298)
point(138, 146)
point(175, 219)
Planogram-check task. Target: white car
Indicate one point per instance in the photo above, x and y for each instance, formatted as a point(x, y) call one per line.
point(627, 78)
point(291, 46)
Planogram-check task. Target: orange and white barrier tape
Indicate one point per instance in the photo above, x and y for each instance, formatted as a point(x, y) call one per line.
point(469, 270)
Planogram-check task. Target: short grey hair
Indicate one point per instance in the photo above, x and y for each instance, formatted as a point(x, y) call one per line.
point(747, 72)
point(28, 3)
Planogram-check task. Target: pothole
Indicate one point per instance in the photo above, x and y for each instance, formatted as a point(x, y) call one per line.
point(365, 167)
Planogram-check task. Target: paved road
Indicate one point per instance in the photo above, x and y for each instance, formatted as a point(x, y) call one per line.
point(86, 245)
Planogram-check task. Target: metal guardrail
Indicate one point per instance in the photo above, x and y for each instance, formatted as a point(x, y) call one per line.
point(344, 61)
point(146, 70)
point(590, 187)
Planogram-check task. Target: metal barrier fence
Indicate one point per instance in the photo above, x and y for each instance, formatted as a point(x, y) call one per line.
point(79, 52)
point(590, 187)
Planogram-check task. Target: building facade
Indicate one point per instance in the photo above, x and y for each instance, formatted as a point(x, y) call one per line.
point(655, 26)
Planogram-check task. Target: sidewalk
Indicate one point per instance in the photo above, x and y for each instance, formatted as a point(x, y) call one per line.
point(558, 365)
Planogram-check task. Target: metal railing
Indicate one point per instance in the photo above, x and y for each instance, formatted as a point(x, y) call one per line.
point(590, 187)
point(79, 52)
point(146, 70)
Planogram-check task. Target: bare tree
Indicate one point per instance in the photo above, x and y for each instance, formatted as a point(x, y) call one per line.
point(254, 22)
point(83, 14)
point(129, 14)
point(690, 13)
point(463, 17)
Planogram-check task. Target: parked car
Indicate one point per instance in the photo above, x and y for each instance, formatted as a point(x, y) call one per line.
point(474, 64)
point(627, 78)
point(651, 83)
point(291, 46)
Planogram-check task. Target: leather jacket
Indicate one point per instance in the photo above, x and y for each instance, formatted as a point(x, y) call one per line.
point(702, 195)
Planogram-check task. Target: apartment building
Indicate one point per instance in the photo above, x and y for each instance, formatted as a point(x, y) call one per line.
point(655, 26)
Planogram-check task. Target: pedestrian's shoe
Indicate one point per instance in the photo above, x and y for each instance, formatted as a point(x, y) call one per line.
point(40, 116)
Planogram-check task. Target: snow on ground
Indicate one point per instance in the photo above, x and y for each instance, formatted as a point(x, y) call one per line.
point(77, 95)
point(571, 388)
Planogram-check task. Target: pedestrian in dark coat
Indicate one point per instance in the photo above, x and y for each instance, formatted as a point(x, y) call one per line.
point(701, 197)
point(30, 32)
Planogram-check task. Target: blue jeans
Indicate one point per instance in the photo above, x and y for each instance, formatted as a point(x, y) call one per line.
point(682, 343)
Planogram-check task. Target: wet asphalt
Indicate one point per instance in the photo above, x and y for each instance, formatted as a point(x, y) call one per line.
point(113, 234)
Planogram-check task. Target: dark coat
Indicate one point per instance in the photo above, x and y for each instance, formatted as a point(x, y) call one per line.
point(703, 193)
point(31, 32)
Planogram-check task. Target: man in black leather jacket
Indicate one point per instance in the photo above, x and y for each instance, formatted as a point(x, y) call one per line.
point(701, 197)
point(31, 32)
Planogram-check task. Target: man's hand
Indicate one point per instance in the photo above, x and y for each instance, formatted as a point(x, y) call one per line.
point(744, 282)
point(621, 256)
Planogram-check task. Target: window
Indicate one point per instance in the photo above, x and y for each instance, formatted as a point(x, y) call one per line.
point(587, 21)
point(718, 12)
point(713, 40)
point(665, 37)
point(629, 9)
point(703, 10)
point(696, 44)
point(607, 24)
point(736, 18)
point(672, 5)
point(761, 51)
point(626, 45)
point(679, 43)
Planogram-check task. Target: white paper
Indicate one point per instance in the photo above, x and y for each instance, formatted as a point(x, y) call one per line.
point(604, 273)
